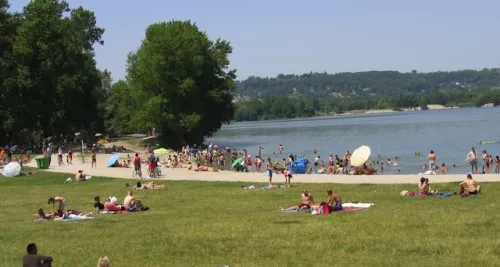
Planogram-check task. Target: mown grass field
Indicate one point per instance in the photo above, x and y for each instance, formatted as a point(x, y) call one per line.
point(217, 223)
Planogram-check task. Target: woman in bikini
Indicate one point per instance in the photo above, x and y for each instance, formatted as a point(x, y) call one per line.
point(423, 187)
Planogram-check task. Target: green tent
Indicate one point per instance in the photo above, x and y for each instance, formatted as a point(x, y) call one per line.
point(162, 151)
point(236, 162)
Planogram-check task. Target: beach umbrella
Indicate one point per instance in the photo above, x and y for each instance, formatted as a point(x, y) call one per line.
point(161, 151)
point(236, 162)
point(360, 156)
point(78, 134)
point(98, 134)
point(112, 160)
point(12, 169)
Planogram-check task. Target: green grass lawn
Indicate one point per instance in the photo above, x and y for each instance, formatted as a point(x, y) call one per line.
point(216, 223)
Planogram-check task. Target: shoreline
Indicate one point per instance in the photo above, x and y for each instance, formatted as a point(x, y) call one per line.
point(230, 176)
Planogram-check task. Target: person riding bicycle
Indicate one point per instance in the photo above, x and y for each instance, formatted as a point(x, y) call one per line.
point(152, 161)
point(137, 162)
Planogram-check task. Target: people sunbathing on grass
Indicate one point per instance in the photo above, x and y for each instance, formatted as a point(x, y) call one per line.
point(80, 176)
point(111, 204)
point(152, 185)
point(60, 214)
point(471, 187)
point(131, 203)
point(60, 200)
point(334, 201)
point(307, 200)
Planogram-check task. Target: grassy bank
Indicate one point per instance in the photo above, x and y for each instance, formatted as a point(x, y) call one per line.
point(216, 223)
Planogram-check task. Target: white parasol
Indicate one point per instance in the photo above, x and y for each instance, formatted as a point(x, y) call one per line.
point(360, 156)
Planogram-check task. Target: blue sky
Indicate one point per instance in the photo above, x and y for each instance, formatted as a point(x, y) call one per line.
point(295, 37)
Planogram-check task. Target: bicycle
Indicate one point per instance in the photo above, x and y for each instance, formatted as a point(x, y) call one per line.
point(137, 174)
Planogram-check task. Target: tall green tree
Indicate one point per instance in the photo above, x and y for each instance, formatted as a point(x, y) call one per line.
point(54, 88)
point(181, 84)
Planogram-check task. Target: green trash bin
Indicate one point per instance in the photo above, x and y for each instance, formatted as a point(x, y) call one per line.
point(38, 163)
point(42, 163)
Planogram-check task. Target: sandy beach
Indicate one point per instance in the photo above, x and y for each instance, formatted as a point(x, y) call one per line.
point(182, 174)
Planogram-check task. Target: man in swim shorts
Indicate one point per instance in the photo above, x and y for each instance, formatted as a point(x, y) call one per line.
point(472, 159)
point(472, 189)
point(269, 168)
point(334, 197)
point(432, 160)
point(307, 200)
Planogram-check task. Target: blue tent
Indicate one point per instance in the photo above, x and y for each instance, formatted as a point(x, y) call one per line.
point(299, 166)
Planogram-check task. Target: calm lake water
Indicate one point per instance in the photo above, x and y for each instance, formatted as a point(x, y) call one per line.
point(450, 133)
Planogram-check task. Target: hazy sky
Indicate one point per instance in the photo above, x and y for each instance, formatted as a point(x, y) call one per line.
point(295, 36)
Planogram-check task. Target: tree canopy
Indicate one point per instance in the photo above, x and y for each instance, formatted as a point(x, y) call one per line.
point(178, 82)
point(49, 80)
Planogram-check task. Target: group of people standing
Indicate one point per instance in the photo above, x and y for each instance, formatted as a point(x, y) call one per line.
point(487, 159)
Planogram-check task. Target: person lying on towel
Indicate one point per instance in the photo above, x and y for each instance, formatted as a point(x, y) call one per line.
point(307, 200)
point(48, 216)
point(111, 204)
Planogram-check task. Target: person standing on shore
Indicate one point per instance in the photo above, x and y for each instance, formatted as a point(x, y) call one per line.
point(485, 161)
point(432, 160)
point(94, 160)
point(269, 168)
point(472, 159)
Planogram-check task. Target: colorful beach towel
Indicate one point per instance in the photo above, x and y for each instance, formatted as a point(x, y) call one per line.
point(413, 194)
point(69, 218)
point(295, 211)
point(264, 187)
point(114, 212)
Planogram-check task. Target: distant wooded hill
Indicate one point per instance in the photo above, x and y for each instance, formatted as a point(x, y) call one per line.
point(371, 83)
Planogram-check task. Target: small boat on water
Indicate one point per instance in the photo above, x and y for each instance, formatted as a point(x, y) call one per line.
point(488, 142)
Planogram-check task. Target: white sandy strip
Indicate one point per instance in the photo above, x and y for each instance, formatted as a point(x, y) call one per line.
point(181, 174)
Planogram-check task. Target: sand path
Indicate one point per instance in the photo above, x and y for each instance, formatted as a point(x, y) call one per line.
point(248, 178)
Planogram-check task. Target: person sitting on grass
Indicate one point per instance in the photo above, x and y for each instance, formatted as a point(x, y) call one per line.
point(471, 189)
point(97, 204)
point(423, 187)
point(429, 189)
point(58, 199)
point(307, 200)
point(334, 197)
point(32, 259)
point(80, 176)
point(131, 203)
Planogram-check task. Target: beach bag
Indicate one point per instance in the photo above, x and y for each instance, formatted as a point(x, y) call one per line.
point(316, 210)
point(325, 208)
